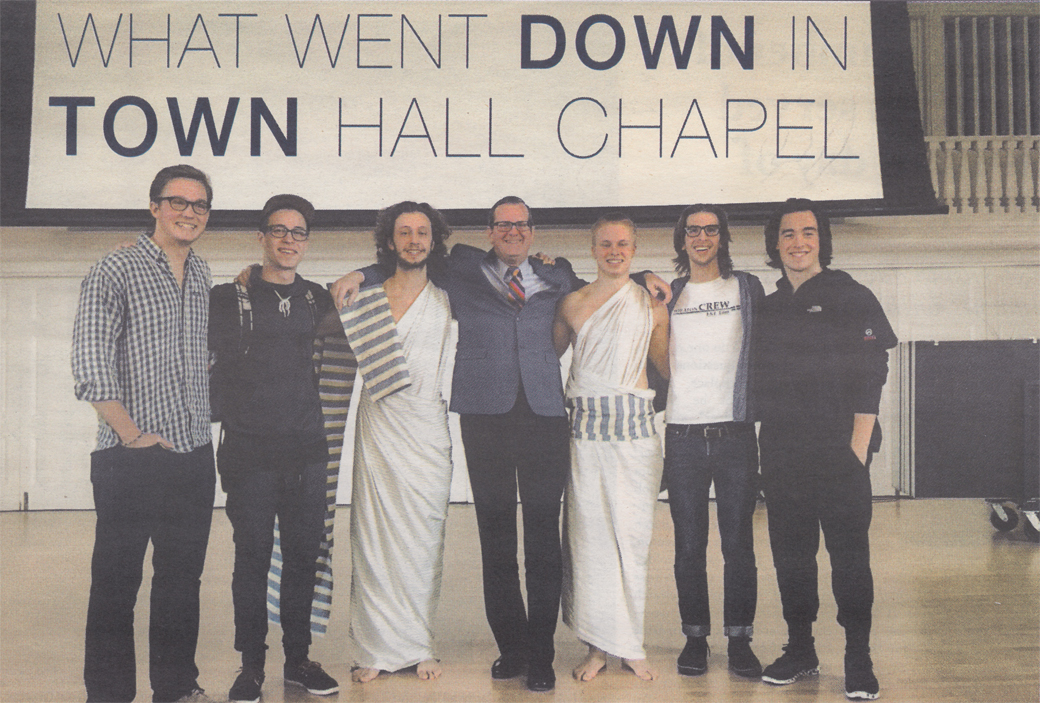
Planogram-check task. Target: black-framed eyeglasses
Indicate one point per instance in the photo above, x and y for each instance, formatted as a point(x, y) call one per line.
point(280, 232)
point(709, 230)
point(201, 207)
point(503, 226)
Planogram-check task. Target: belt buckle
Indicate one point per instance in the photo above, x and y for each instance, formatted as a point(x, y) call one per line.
point(714, 432)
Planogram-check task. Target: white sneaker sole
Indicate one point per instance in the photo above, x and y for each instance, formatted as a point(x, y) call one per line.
point(861, 696)
point(800, 675)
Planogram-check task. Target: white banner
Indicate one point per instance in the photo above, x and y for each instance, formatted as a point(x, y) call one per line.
point(357, 105)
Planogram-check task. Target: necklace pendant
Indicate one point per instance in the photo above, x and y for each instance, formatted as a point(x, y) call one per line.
point(284, 304)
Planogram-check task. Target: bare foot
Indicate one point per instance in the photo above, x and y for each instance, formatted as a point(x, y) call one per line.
point(428, 670)
point(595, 661)
point(640, 667)
point(363, 675)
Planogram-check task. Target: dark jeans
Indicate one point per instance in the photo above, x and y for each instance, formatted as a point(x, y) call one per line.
point(504, 451)
point(143, 495)
point(728, 455)
point(808, 489)
point(298, 499)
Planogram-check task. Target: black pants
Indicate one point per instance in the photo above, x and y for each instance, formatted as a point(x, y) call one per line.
point(809, 490)
point(143, 495)
point(298, 499)
point(519, 448)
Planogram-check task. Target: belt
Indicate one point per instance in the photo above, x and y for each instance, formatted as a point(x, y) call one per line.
point(713, 430)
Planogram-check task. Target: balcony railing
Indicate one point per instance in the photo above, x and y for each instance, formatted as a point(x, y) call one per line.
point(986, 174)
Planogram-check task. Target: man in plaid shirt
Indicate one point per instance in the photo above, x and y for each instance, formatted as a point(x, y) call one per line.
point(139, 356)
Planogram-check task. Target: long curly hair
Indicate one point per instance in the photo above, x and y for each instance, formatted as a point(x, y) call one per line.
point(386, 257)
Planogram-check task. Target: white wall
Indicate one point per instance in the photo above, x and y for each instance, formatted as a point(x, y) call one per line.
point(966, 277)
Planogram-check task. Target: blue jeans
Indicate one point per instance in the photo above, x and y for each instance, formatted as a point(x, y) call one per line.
point(696, 455)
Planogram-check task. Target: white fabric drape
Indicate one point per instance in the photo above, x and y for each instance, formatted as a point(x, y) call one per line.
point(402, 477)
point(609, 503)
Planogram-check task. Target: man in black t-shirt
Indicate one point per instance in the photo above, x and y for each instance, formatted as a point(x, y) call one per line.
point(273, 453)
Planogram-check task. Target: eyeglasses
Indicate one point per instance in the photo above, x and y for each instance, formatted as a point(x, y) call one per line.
point(201, 207)
point(280, 232)
point(504, 226)
point(709, 230)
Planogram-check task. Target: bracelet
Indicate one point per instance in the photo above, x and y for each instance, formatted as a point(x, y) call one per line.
point(127, 444)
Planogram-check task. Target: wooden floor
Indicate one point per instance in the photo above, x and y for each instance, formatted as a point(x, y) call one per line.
point(957, 618)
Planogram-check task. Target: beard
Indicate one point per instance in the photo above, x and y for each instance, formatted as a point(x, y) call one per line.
point(405, 265)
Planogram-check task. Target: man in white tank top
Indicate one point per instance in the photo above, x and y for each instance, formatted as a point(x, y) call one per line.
point(710, 435)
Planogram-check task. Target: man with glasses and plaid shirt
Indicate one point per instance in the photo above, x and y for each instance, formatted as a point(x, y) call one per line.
point(508, 391)
point(273, 451)
point(139, 357)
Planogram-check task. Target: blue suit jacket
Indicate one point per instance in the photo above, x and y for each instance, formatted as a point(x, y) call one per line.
point(499, 347)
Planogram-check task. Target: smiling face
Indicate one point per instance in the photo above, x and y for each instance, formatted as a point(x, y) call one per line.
point(702, 248)
point(511, 246)
point(285, 253)
point(613, 246)
point(799, 244)
point(179, 228)
point(412, 240)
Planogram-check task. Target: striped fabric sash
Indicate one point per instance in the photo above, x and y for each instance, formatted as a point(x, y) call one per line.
point(337, 371)
point(372, 333)
point(612, 418)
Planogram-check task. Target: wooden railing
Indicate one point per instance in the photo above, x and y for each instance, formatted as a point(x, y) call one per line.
point(986, 174)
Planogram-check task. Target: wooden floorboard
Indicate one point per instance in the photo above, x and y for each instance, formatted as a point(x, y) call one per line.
point(956, 618)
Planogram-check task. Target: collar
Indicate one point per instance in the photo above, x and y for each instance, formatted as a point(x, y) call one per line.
point(500, 267)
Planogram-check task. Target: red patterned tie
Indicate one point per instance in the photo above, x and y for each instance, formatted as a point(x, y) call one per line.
point(516, 288)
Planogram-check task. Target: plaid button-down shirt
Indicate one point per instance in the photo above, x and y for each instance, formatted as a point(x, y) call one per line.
point(140, 338)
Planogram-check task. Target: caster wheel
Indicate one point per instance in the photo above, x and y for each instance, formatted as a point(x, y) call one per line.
point(1003, 517)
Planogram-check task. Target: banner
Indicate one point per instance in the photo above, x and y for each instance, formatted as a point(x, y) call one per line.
point(358, 105)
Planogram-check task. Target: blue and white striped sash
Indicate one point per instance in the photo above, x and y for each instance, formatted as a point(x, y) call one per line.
point(372, 334)
point(612, 418)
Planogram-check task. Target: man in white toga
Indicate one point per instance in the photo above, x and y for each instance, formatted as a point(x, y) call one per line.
point(616, 459)
point(402, 450)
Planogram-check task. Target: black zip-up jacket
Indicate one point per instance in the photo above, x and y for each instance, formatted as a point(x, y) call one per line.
point(821, 357)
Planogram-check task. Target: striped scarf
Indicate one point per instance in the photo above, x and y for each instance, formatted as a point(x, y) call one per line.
point(337, 368)
point(372, 333)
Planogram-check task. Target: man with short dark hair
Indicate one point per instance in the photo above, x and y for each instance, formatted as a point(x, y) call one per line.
point(273, 452)
point(821, 363)
point(710, 435)
point(139, 357)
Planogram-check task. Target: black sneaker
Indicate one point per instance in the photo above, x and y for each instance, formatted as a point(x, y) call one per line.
point(693, 661)
point(742, 661)
point(860, 682)
point(311, 676)
point(247, 686)
point(791, 666)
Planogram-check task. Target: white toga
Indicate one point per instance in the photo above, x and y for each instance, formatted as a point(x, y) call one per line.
point(616, 465)
point(402, 476)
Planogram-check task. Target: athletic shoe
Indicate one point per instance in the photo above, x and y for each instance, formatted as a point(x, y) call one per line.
point(311, 676)
point(247, 686)
point(791, 666)
point(693, 660)
point(197, 695)
point(860, 682)
point(742, 661)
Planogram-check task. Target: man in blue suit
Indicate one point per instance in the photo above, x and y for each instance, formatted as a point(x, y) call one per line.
point(508, 392)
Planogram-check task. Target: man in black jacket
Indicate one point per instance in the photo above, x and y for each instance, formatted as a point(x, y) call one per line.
point(273, 453)
point(821, 362)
